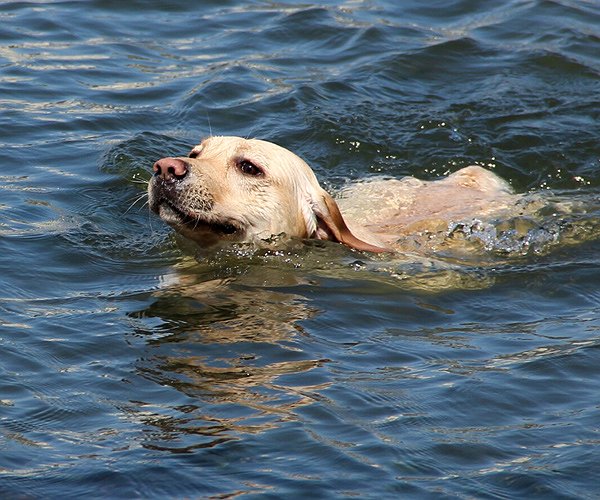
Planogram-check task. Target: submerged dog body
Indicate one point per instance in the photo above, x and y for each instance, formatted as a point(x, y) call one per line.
point(231, 189)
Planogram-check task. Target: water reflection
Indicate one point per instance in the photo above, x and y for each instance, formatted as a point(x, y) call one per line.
point(230, 351)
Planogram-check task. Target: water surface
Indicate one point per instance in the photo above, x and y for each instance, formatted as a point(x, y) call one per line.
point(133, 369)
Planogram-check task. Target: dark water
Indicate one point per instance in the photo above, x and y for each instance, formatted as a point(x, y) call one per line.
point(130, 369)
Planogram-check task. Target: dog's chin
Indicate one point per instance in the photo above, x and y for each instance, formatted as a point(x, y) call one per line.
point(204, 229)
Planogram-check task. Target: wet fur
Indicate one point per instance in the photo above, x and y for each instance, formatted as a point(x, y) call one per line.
point(217, 203)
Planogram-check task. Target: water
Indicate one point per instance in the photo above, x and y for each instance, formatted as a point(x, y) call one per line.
point(132, 369)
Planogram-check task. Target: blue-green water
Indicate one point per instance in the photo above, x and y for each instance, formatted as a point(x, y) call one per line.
point(131, 369)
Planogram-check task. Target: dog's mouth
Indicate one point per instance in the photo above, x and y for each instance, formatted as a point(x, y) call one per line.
point(174, 215)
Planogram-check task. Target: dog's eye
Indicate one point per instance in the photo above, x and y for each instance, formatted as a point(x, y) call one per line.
point(249, 168)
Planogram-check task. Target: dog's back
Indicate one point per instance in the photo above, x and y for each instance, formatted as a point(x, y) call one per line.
point(387, 211)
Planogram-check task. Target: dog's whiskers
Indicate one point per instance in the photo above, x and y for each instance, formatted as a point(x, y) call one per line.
point(138, 199)
point(139, 181)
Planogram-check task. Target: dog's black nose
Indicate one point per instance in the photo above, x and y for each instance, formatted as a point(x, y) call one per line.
point(170, 169)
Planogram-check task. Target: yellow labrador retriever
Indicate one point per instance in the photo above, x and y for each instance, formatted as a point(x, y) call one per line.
point(231, 189)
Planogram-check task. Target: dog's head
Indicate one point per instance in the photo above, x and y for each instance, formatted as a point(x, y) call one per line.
point(231, 189)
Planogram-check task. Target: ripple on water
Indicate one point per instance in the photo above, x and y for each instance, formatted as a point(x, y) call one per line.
point(132, 367)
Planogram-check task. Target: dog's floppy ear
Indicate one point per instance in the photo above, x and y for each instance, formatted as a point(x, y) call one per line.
point(325, 222)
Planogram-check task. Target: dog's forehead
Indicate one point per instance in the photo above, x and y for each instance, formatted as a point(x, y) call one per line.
point(264, 153)
point(270, 154)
